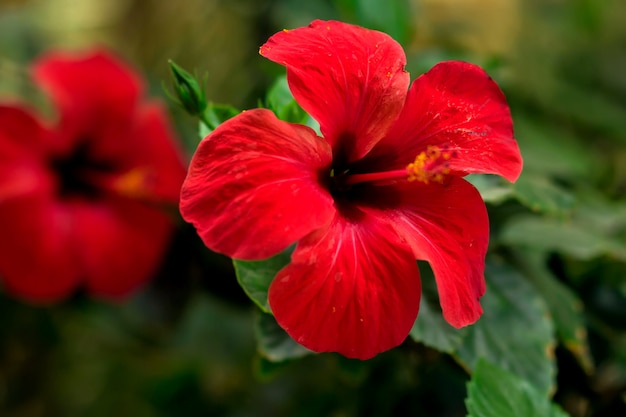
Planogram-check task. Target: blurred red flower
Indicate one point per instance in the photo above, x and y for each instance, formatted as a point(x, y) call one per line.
point(381, 189)
point(81, 201)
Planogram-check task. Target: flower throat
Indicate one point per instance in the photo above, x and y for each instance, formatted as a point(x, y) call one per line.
point(431, 165)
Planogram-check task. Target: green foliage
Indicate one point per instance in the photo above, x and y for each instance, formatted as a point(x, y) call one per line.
point(430, 328)
point(188, 90)
point(515, 331)
point(541, 194)
point(492, 188)
point(189, 93)
point(214, 115)
point(537, 192)
point(494, 392)
point(280, 100)
point(561, 235)
point(255, 277)
point(566, 308)
point(274, 343)
point(551, 151)
point(386, 16)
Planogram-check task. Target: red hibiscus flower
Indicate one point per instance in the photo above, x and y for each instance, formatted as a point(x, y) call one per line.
point(81, 201)
point(382, 188)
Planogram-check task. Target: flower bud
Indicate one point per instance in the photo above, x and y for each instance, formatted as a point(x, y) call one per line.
point(188, 91)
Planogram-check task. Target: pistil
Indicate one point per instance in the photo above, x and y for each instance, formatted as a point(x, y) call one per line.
point(376, 176)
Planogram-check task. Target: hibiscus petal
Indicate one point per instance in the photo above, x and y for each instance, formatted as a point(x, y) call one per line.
point(256, 185)
point(350, 79)
point(22, 148)
point(21, 134)
point(94, 92)
point(454, 106)
point(37, 258)
point(446, 225)
point(352, 287)
point(156, 151)
point(120, 243)
point(148, 163)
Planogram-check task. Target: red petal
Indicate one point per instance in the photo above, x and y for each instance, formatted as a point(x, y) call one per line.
point(37, 258)
point(447, 225)
point(23, 144)
point(457, 106)
point(49, 249)
point(94, 92)
point(120, 244)
point(156, 150)
point(148, 163)
point(255, 186)
point(350, 79)
point(21, 134)
point(37, 262)
point(351, 288)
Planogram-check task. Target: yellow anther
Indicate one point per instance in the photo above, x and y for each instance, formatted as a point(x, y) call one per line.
point(134, 183)
point(429, 166)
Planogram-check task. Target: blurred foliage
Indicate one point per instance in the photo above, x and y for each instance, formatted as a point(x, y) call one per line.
point(193, 343)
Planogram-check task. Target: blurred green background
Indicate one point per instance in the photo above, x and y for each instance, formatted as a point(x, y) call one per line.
point(186, 345)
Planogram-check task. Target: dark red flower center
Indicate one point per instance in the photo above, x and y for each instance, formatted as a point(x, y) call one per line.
point(429, 166)
point(80, 174)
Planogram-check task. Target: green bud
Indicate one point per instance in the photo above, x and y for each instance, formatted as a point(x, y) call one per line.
point(190, 95)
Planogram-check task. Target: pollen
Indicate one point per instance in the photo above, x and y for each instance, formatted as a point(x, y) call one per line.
point(134, 183)
point(430, 165)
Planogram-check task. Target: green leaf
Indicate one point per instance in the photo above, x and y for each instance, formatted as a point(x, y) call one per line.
point(430, 328)
point(255, 277)
point(391, 17)
point(203, 129)
point(215, 115)
point(539, 193)
point(266, 369)
point(552, 152)
point(564, 305)
point(600, 214)
point(494, 392)
point(567, 237)
point(589, 106)
point(515, 330)
point(274, 344)
point(205, 320)
point(492, 188)
point(281, 102)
